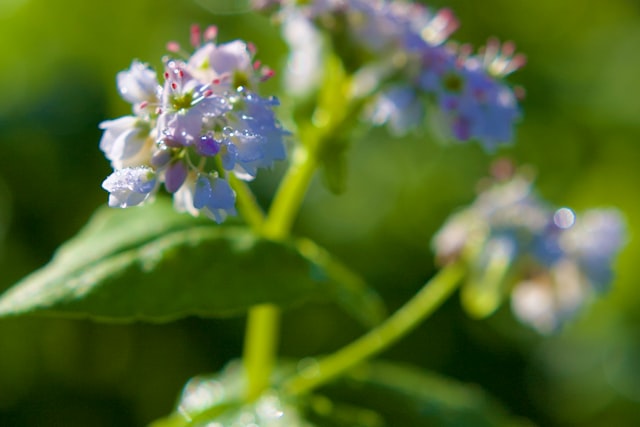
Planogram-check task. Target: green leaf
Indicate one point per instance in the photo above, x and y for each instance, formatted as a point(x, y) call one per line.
point(346, 287)
point(152, 263)
point(219, 400)
point(407, 396)
point(377, 394)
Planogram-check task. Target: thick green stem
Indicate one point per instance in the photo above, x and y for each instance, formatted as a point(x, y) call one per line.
point(261, 340)
point(430, 297)
point(263, 321)
point(260, 347)
point(287, 201)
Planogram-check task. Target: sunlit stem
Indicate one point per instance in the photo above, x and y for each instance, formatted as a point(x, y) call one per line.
point(247, 204)
point(290, 195)
point(430, 297)
point(260, 348)
point(261, 340)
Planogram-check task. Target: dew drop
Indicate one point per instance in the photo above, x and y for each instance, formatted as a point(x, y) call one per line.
point(564, 218)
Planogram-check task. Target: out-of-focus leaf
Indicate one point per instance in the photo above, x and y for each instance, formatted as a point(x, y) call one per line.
point(218, 400)
point(151, 263)
point(407, 396)
point(378, 394)
point(5, 210)
point(347, 288)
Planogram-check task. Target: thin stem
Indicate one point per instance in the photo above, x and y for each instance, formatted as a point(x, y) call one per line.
point(430, 297)
point(249, 208)
point(261, 341)
point(287, 201)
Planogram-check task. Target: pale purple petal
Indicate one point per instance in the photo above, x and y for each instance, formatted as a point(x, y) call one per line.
point(130, 186)
point(175, 176)
point(138, 83)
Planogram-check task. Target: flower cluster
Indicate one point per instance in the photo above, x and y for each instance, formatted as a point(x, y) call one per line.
point(403, 44)
point(550, 260)
point(204, 121)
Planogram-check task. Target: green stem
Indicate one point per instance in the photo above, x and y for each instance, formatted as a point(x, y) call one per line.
point(247, 204)
point(263, 322)
point(430, 297)
point(260, 347)
point(290, 195)
point(261, 340)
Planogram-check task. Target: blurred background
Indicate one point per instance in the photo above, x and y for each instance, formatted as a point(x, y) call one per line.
point(580, 132)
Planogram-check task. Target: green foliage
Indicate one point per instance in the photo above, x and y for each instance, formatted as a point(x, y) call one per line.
point(220, 398)
point(407, 396)
point(153, 264)
point(581, 133)
point(378, 394)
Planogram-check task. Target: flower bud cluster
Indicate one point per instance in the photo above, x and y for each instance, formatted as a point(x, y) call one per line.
point(203, 122)
point(551, 261)
point(404, 45)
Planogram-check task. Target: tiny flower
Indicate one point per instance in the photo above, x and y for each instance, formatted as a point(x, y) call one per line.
point(207, 145)
point(258, 137)
point(205, 122)
point(551, 262)
point(593, 241)
point(227, 65)
point(400, 108)
point(304, 66)
point(212, 196)
point(175, 175)
point(471, 100)
point(126, 141)
point(546, 301)
point(138, 84)
point(130, 186)
point(185, 102)
point(484, 109)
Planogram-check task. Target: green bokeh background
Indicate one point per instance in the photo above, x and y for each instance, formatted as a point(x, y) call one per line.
point(580, 132)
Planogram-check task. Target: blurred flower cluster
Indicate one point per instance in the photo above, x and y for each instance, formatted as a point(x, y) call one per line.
point(204, 121)
point(551, 261)
point(404, 46)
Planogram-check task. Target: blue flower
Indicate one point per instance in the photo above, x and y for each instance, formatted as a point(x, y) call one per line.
point(138, 85)
point(126, 141)
point(593, 243)
point(551, 262)
point(206, 194)
point(404, 43)
point(189, 133)
point(401, 108)
point(130, 186)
